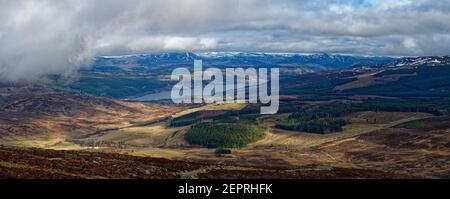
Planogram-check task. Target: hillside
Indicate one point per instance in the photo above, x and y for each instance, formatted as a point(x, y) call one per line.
point(47, 164)
point(46, 118)
point(357, 122)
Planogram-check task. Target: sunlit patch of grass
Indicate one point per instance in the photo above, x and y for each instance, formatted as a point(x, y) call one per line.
point(212, 107)
point(13, 165)
point(42, 142)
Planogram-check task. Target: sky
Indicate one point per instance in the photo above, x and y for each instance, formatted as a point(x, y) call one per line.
point(59, 36)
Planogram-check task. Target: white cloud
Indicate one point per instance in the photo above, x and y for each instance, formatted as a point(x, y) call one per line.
point(167, 43)
point(341, 9)
point(389, 4)
point(409, 43)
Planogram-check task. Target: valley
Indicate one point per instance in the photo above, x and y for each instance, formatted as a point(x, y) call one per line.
point(387, 121)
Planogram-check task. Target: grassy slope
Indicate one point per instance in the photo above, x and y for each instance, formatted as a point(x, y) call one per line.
point(48, 164)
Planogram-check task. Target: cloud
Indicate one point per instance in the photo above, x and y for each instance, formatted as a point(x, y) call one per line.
point(409, 43)
point(172, 43)
point(44, 37)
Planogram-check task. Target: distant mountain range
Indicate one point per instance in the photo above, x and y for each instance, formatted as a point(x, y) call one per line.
point(422, 61)
point(305, 62)
point(316, 62)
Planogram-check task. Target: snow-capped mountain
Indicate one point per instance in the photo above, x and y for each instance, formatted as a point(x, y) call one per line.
point(423, 61)
point(224, 59)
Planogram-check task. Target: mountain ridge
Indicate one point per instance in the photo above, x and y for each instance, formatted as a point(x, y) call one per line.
point(320, 61)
